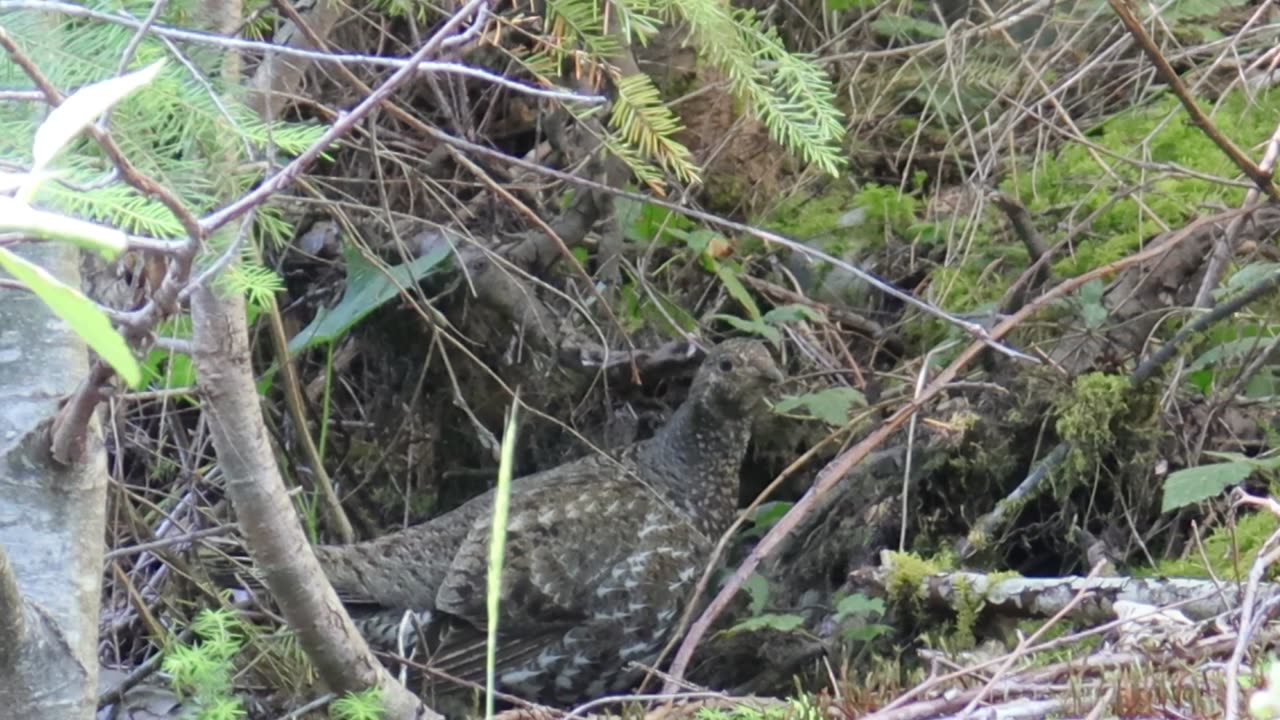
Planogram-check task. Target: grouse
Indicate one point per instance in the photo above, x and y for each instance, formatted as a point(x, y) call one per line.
point(602, 553)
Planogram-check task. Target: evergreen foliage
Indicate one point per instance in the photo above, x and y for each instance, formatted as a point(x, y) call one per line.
point(788, 91)
point(170, 130)
point(202, 671)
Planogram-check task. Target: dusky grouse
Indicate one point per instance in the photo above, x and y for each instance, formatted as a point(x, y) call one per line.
point(602, 554)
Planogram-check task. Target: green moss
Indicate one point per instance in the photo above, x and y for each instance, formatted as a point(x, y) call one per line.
point(1086, 415)
point(885, 212)
point(806, 217)
point(968, 606)
point(1230, 551)
point(905, 584)
point(1084, 182)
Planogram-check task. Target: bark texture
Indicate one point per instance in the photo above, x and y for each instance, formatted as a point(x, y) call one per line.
point(51, 516)
point(274, 536)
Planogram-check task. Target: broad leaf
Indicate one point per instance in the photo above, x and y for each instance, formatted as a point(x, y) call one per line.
point(793, 313)
point(77, 311)
point(757, 586)
point(766, 516)
point(17, 216)
point(729, 278)
point(866, 633)
point(755, 327)
point(80, 110)
point(781, 623)
point(831, 406)
point(859, 605)
point(1192, 485)
point(368, 288)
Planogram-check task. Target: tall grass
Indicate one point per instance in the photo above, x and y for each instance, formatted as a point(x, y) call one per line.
point(501, 505)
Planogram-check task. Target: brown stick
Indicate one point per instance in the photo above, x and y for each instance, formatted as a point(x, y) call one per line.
point(1262, 178)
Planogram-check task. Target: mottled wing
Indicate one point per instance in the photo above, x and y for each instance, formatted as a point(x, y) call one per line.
point(594, 577)
point(562, 540)
point(402, 570)
point(405, 570)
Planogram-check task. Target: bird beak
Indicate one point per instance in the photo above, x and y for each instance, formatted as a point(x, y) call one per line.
point(772, 374)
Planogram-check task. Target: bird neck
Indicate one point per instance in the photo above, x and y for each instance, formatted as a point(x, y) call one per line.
point(696, 458)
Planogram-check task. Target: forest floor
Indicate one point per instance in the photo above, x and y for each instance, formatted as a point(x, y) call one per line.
point(1029, 328)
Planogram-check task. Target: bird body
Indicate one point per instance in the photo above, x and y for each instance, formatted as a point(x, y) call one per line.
point(601, 555)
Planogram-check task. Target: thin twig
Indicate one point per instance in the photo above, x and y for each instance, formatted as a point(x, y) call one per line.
point(232, 43)
point(1260, 177)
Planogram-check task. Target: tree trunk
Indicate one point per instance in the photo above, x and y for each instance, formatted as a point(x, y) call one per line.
point(51, 516)
point(272, 532)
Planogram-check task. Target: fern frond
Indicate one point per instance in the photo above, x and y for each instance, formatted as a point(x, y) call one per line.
point(645, 123)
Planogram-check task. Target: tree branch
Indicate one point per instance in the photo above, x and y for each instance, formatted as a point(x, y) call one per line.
point(1260, 177)
point(273, 534)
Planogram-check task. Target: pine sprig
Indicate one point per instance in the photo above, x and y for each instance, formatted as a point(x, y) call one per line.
point(807, 101)
point(169, 130)
point(645, 172)
point(581, 21)
point(645, 123)
point(789, 92)
point(795, 103)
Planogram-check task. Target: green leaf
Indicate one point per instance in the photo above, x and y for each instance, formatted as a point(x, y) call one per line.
point(831, 406)
point(793, 313)
point(757, 586)
point(1257, 463)
point(766, 516)
point(843, 5)
point(1244, 278)
point(17, 216)
point(368, 288)
point(1192, 485)
point(1227, 354)
point(755, 327)
point(781, 623)
point(1092, 311)
point(866, 633)
point(645, 222)
point(729, 278)
point(79, 312)
point(859, 605)
point(698, 241)
point(1181, 10)
point(78, 111)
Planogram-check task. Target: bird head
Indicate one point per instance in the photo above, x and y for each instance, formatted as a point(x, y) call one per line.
point(735, 377)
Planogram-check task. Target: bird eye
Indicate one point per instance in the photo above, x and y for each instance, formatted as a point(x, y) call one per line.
point(726, 364)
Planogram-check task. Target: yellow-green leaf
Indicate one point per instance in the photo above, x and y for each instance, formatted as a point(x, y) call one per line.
point(17, 216)
point(830, 406)
point(79, 312)
point(82, 108)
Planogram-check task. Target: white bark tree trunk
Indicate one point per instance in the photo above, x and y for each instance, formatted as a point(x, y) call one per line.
point(51, 517)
